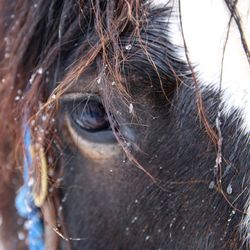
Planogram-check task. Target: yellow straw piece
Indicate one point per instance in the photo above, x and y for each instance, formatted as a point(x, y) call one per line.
point(39, 197)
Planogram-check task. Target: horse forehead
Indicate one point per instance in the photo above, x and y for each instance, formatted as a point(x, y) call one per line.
point(205, 27)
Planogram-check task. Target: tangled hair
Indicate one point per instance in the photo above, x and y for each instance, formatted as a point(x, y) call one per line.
point(38, 38)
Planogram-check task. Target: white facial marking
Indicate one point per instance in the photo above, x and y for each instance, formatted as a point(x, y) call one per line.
point(205, 25)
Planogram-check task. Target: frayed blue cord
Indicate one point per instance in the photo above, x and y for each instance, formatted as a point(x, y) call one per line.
point(25, 203)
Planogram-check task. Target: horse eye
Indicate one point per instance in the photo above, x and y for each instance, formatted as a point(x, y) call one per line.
point(90, 115)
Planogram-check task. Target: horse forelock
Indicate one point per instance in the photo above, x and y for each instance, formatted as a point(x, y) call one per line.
point(204, 31)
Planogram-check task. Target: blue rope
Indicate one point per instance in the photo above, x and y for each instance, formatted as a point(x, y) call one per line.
point(25, 202)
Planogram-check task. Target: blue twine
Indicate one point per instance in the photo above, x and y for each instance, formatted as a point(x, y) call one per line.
point(25, 203)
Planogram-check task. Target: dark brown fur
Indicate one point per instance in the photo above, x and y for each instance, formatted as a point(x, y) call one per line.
point(53, 36)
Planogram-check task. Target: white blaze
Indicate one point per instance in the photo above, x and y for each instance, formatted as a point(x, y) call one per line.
point(205, 26)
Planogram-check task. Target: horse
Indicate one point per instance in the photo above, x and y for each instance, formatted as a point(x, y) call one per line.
point(125, 124)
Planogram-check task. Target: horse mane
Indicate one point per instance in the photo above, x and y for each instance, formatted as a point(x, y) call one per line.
point(37, 39)
point(38, 36)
